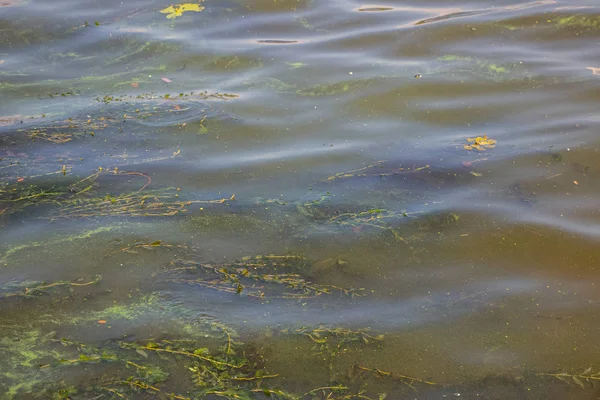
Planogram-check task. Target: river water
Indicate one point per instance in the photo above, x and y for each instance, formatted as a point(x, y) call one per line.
point(299, 199)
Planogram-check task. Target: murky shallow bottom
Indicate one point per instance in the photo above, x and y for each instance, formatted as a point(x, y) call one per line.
point(299, 200)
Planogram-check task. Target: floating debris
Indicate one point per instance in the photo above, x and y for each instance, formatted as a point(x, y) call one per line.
point(595, 71)
point(480, 143)
point(177, 10)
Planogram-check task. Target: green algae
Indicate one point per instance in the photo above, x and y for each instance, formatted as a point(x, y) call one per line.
point(453, 57)
point(235, 63)
point(295, 65)
point(22, 352)
point(224, 222)
point(332, 89)
point(86, 83)
point(211, 356)
point(580, 21)
point(147, 305)
point(277, 85)
point(318, 90)
point(215, 359)
point(481, 65)
point(136, 52)
point(123, 311)
point(54, 241)
point(201, 356)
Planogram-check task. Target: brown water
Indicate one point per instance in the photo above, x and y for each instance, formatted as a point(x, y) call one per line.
point(332, 133)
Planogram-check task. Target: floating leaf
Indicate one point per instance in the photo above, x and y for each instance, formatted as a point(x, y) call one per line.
point(479, 143)
point(177, 10)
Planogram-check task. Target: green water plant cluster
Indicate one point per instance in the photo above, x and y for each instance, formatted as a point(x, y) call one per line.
point(207, 359)
point(261, 276)
point(17, 194)
point(67, 130)
point(213, 362)
point(331, 342)
point(151, 203)
point(81, 199)
point(167, 96)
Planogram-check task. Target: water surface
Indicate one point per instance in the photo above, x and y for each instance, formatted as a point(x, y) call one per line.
point(355, 200)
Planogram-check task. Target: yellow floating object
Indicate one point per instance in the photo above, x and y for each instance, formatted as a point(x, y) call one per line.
point(480, 143)
point(177, 10)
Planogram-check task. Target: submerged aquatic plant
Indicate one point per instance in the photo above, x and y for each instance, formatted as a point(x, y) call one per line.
point(152, 203)
point(30, 289)
point(77, 200)
point(481, 66)
point(331, 342)
point(376, 169)
point(580, 379)
point(227, 370)
point(17, 194)
point(257, 276)
point(63, 132)
point(409, 381)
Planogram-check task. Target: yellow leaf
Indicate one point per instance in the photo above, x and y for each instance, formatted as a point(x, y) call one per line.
point(168, 10)
point(177, 10)
point(480, 143)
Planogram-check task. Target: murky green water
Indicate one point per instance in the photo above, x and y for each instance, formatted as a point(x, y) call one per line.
point(299, 200)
